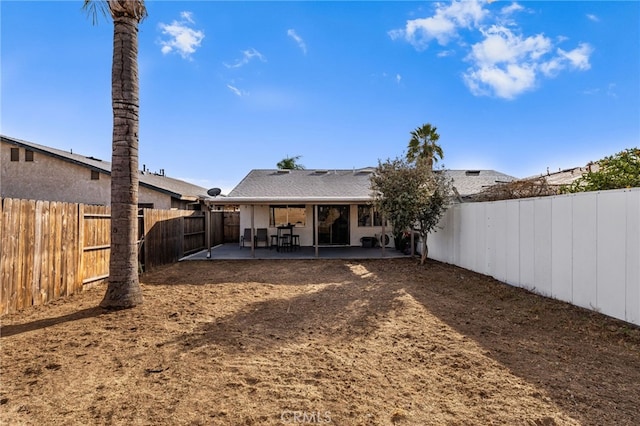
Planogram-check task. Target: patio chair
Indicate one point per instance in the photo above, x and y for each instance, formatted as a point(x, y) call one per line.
point(246, 238)
point(262, 235)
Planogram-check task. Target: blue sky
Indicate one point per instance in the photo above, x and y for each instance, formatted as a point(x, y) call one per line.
point(227, 87)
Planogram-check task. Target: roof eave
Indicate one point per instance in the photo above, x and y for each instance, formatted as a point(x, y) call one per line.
point(291, 200)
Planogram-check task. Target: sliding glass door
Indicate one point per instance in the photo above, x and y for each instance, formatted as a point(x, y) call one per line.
point(333, 225)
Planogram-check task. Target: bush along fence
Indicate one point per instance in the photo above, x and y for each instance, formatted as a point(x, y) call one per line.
point(52, 249)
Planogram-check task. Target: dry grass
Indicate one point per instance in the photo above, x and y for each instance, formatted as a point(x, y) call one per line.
point(323, 341)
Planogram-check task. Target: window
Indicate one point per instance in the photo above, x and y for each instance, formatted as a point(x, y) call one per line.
point(281, 215)
point(95, 175)
point(15, 154)
point(28, 155)
point(368, 216)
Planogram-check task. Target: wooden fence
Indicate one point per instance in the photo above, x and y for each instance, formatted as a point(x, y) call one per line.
point(54, 249)
point(171, 234)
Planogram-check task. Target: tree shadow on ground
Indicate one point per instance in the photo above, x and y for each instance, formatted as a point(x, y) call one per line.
point(278, 272)
point(14, 329)
point(549, 344)
point(337, 310)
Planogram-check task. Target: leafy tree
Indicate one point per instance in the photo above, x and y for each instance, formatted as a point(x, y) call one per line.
point(398, 190)
point(411, 196)
point(621, 170)
point(431, 212)
point(123, 290)
point(424, 145)
point(290, 163)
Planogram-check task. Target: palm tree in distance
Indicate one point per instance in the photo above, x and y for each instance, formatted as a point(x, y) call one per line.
point(123, 290)
point(290, 163)
point(423, 145)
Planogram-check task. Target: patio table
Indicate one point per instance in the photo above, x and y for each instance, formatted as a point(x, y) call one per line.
point(285, 236)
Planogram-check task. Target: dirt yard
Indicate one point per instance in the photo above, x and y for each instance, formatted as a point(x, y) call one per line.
point(377, 342)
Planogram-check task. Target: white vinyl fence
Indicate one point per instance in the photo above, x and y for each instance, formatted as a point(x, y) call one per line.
point(580, 248)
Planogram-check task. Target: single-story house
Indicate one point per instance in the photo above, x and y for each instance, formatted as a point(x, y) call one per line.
point(37, 172)
point(326, 207)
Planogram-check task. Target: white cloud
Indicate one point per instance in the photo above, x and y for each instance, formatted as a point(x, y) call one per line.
point(398, 78)
point(187, 16)
point(236, 91)
point(609, 91)
point(512, 8)
point(443, 25)
point(578, 57)
point(504, 82)
point(301, 44)
point(593, 17)
point(507, 64)
point(502, 45)
point(181, 38)
point(504, 63)
point(247, 56)
point(445, 53)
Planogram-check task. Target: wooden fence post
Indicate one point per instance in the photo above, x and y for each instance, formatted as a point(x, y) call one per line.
point(80, 249)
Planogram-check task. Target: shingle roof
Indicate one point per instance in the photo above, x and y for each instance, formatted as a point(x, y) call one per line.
point(174, 187)
point(337, 185)
point(304, 185)
point(566, 176)
point(469, 182)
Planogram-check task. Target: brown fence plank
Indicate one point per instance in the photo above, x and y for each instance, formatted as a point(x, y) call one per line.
point(7, 250)
point(80, 246)
point(96, 244)
point(23, 221)
point(72, 254)
point(50, 249)
point(56, 264)
point(169, 234)
point(3, 290)
point(37, 255)
point(30, 231)
point(45, 245)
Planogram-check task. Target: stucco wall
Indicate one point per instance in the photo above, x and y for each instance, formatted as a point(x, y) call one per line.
point(51, 179)
point(261, 220)
point(47, 178)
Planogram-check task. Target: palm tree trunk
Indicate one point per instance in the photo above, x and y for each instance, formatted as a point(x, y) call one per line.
point(123, 289)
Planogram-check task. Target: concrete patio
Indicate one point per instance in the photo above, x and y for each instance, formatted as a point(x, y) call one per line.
point(232, 251)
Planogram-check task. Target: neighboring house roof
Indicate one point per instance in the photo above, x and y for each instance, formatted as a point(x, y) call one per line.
point(173, 187)
point(566, 176)
point(324, 186)
point(469, 182)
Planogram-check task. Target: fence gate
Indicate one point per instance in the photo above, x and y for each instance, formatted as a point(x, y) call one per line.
point(231, 227)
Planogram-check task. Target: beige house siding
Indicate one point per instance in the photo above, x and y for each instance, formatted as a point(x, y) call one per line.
point(159, 200)
point(306, 233)
point(53, 179)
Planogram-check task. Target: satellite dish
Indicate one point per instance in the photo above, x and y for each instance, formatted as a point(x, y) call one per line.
point(214, 192)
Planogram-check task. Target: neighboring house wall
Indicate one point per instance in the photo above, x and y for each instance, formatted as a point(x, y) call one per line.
point(157, 199)
point(261, 220)
point(52, 179)
point(580, 248)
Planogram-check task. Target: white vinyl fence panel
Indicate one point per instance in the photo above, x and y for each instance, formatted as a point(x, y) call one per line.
point(580, 248)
